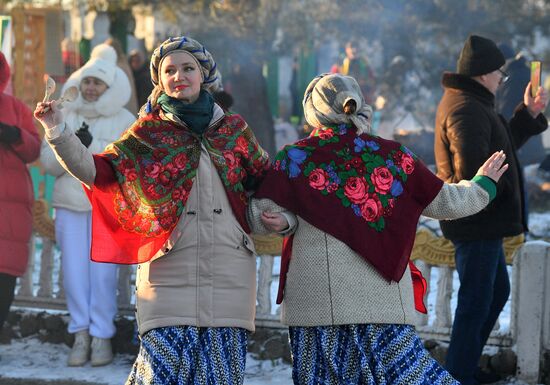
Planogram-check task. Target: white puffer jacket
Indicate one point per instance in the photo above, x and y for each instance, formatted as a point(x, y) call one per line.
point(107, 120)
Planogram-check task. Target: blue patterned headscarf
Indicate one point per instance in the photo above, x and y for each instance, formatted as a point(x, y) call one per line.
point(212, 79)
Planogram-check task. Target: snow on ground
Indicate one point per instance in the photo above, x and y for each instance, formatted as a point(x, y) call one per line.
point(539, 225)
point(29, 358)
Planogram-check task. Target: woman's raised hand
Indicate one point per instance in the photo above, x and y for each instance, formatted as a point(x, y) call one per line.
point(494, 167)
point(48, 114)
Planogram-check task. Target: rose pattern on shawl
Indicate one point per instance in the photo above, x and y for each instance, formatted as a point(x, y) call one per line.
point(371, 209)
point(318, 179)
point(241, 146)
point(155, 185)
point(231, 160)
point(407, 164)
point(153, 170)
point(382, 179)
point(181, 193)
point(405, 160)
point(365, 181)
point(180, 161)
point(326, 134)
point(242, 162)
point(355, 189)
point(128, 170)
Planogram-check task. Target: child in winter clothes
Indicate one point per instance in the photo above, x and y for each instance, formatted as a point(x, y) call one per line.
point(19, 145)
point(97, 117)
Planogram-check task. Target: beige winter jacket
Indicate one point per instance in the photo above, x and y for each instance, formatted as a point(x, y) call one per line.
point(208, 275)
point(329, 284)
point(205, 274)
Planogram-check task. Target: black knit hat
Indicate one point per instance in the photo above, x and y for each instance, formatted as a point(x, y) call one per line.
point(479, 56)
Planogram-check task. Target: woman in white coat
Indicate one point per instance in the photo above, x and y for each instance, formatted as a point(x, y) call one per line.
point(98, 117)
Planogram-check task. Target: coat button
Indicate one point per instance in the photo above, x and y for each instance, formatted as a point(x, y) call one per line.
point(218, 211)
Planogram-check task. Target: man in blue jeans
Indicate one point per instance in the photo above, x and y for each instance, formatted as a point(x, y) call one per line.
point(467, 130)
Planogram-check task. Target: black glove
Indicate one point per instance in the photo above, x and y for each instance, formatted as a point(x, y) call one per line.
point(84, 135)
point(9, 134)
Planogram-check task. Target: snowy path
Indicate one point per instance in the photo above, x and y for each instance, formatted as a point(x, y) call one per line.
point(28, 358)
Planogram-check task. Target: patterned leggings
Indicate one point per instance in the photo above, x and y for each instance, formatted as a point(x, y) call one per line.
point(364, 354)
point(189, 355)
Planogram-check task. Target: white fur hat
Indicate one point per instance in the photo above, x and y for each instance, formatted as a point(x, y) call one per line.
point(102, 64)
point(119, 91)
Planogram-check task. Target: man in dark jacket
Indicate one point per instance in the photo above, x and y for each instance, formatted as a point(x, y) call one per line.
point(467, 131)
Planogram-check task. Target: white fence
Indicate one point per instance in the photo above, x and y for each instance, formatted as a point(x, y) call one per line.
point(528, 334)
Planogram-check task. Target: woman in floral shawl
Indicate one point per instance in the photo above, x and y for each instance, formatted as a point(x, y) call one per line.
point(171, 194)
point(346, 282)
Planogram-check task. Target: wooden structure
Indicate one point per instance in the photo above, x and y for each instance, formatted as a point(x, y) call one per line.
point(37, 50)
point(29, 54)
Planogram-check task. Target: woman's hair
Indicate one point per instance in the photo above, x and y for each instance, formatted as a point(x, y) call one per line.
point(212, 80)
point(350, 107)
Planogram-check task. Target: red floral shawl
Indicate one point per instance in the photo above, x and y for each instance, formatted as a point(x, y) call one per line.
point(143, 181)
point(366, 191)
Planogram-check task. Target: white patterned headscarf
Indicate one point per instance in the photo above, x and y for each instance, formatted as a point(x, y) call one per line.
point(211, 77)
point(325, 98)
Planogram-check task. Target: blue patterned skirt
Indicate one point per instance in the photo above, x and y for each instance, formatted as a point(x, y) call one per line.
point(369, 354)
point(189, 355)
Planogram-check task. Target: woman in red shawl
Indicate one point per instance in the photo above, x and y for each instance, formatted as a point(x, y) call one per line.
point(345, 272)
point(171, 195)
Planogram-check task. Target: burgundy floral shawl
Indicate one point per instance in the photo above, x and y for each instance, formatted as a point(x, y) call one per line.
point(366, 191)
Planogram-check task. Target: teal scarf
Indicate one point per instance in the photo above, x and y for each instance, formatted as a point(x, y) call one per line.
point(196, 115)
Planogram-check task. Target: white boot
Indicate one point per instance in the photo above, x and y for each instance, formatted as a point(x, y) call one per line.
point(102, 353)
point(81, 349)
